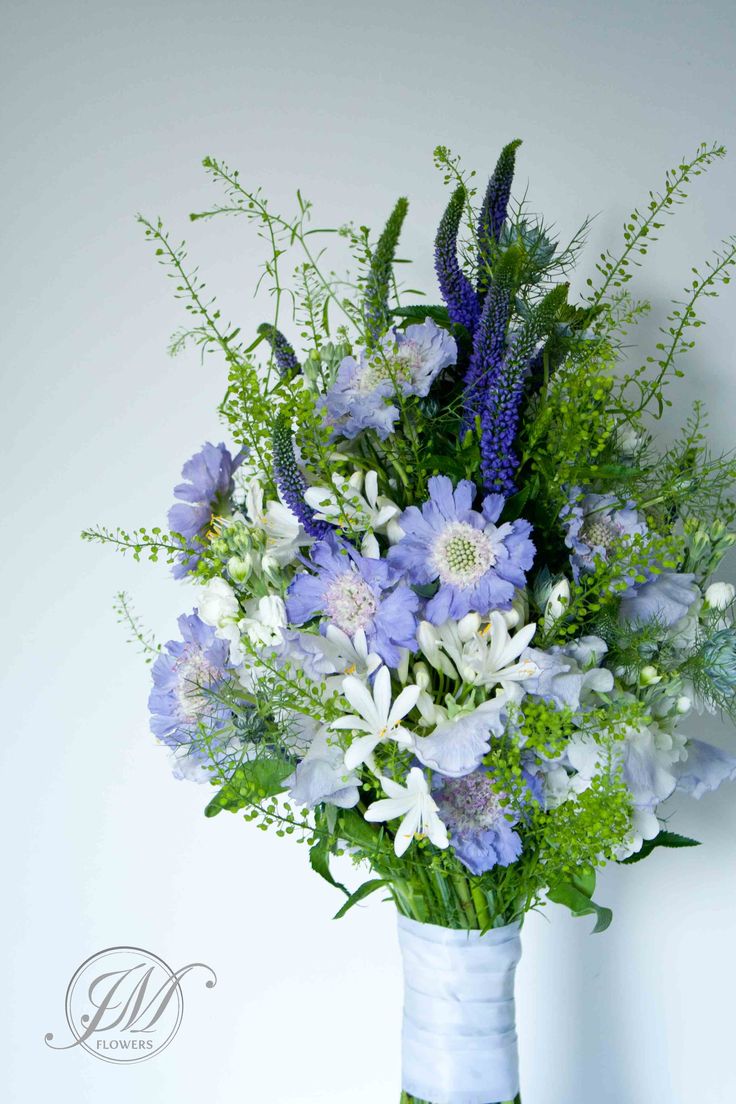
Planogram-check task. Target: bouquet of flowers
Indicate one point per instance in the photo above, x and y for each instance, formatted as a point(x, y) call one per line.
point(450, 603)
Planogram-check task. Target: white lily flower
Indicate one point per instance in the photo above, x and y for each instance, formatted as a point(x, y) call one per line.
point(356, 504)
point(282, 529)
point(415, 804)
point(375, 715)
point(490, 659)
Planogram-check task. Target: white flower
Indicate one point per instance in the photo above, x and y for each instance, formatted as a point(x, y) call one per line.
point(375, 715)
point(356, 504)
point(264, 621)
point(217, 603)
point(349, 654)
point(490, 658)
point(719, 596)
point(416, 805)
point(557, 603)
point(282, 529)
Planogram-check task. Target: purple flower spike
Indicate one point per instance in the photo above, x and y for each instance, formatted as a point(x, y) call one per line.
point(488, 350)
point(477, 563)
point(205, 493)
point(283, 353)
point(355, 593)
point(290, 481)
point(457, 290)
point(493, 212)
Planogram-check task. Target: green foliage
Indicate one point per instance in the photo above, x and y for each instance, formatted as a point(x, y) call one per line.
point(250, 782)
point(154, 543)
point(380, 274)
point(144, 640)
point(663, 839)
point(577, 896)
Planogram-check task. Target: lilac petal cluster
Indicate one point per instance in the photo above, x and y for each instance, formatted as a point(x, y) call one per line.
point(457, 291)
point(185, 674)
point(481, 823)
point(205, 492)
point(355, 593)
point(290, 481)
point(477, 563)
point(405, 362)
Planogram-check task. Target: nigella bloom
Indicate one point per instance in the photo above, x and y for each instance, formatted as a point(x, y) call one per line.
point(477, 563)
point(480, 820)
point(186, 674)
point(719, 656)
point(598, 525)
point(356, 594)
point(406, 362)
point(204, 494)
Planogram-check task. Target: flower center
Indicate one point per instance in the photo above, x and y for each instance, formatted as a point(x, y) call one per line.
point(599, 533)
point(195, 676)
point(461, 554)
point(382, 367)
point(350, 603)
point(470, 804)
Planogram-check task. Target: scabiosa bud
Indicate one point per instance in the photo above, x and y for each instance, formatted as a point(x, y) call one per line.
point(457, 291)
point(284, 355)
point(719, 655)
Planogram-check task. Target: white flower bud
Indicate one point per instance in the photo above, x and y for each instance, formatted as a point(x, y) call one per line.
point(684, 704)
point(240, 567)
point(217, 603)
point(649, 676)
point(421, 675)
point(557, 603)
point(468, 626)
point(719, 596)
point(512, 618)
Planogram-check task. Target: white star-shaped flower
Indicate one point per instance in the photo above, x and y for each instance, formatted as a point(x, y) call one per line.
point(415, 804)
point(375, 715)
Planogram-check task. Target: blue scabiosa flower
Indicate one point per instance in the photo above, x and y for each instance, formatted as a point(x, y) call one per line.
point(477, 563)
point(356, 594)
point(406, 362)
point(204, 494)
point(597, 525)
point(481, 822)
point(185, 675)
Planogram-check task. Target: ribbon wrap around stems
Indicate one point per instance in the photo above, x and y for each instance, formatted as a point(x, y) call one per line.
point(459, 1041)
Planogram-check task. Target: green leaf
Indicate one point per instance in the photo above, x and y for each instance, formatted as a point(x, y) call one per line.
point(319, 860)
point(250, 782)
point(362, 891)
point(579, 903)
point(419, 312)
point(664, 839)
point(354, 829)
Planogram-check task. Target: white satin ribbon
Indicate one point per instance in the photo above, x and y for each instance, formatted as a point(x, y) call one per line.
point(459, 1032)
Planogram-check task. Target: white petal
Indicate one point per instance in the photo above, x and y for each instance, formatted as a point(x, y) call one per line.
point(370, 488)
point(389, 808)
point(382, 695)
point(404, 704)
point(361, 700)
point(407, 829)
point(353, 723)
point(359, 749)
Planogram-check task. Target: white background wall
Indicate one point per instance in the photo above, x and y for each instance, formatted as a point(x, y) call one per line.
point(107, 109)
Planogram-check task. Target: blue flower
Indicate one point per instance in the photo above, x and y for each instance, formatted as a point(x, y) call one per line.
point(406, 362)
point(205, 493)
point(480, 820)
point(356, 593)
point(456, 747)
point(477, 563)
point(596, 526)
point(185, 675)
point(704, 769)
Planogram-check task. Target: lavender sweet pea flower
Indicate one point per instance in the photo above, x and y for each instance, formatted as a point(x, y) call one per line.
point(355, 593)
point(406, 362)
point(205, 493)
point(477, 563)
point(665, 598)
point(481, 826)
point(704, 769)
point(457, 747)
point(321, 776)
point(185, 675)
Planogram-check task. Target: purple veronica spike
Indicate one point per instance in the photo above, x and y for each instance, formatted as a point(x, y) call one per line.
point(457, 290)
point(477, 563)
point(356, 593)
point(283, 353)
point(488, 350)
point(290, 481)
point(493, 212)
point(205, 492)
